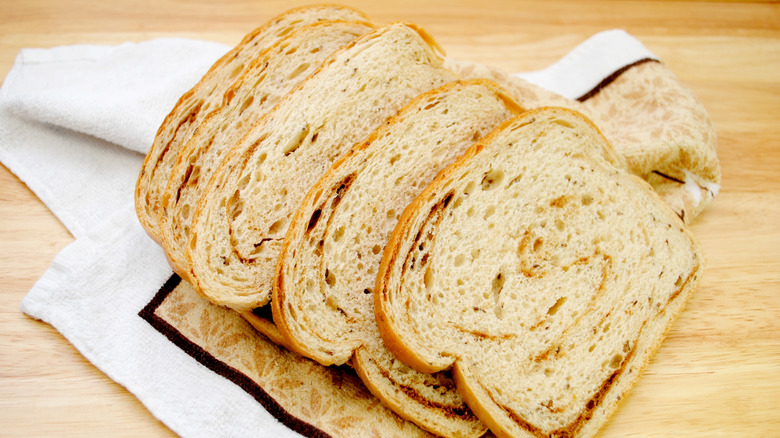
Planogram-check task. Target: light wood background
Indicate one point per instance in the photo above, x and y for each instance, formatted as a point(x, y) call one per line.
point(718, 372)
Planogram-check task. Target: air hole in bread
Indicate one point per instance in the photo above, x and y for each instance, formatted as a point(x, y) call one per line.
point(460, 259)
point(300, 69)
point(338, 234)
point(236, 71)
point(428, 277)
point(330, 278)
point(315, 50)
point(376, 249)
point(296, 140)
point(560, 225)
point(555, 307)
point(313, 220)
point(431, 105)
point(564, 123)
point(587, 200)
point(395, 158)
point(285, 30)
point(242, 183)
point(277, 226)
point(497, 287)
point(185, 211)
point(236, 205)
point(245, 104)
point(490, 211)
point(617, 359)
point(492, 179)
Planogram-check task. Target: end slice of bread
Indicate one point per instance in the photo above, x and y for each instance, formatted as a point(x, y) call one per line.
point(322, 301)
point(271, 75)
point(541, 272)
point(243, 215)
point(206, 96)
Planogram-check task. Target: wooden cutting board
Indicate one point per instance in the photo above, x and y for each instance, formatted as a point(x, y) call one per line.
point(718, 372)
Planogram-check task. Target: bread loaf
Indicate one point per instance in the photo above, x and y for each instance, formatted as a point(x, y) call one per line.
point(271, 75)
point(541, 272)
point(207, 96)
point(244, 212)
point(322, 301)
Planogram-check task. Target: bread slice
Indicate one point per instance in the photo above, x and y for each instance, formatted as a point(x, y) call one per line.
point(541, 272)
point(243, 215)
point(207, 96)
point(322, 301)
point(271, 75)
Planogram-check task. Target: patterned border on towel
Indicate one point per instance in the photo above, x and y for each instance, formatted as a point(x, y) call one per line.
point(217, 366)
point(311, 399)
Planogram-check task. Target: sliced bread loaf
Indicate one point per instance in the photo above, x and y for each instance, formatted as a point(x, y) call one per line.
point(322, 301)
point(207, 96)
point(541, 272)
point(243, 215)
point(270, 76)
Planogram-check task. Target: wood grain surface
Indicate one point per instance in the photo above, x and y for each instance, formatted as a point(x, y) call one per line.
point(718, 372)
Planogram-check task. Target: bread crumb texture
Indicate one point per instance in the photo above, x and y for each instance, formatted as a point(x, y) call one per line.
point(543, 269)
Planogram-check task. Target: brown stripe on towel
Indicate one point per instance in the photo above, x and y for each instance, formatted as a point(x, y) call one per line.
point(219, 367)
point(611, 78)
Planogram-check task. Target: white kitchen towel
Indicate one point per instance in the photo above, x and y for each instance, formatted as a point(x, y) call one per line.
point(74, 124)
